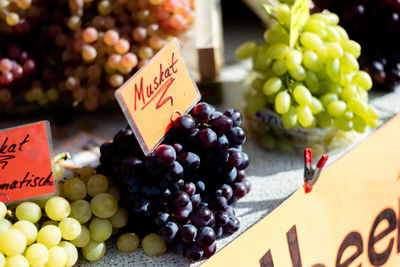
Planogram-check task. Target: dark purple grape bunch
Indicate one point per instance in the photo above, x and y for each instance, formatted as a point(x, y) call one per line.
point(184, 190)
point(372, 23)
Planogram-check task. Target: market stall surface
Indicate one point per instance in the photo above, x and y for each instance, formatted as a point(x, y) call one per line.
point(274, 175)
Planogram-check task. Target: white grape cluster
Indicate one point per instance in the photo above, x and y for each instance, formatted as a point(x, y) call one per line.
point(48, 232)
point(317, 83)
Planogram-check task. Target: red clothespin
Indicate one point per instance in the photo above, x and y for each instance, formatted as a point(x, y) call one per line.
point(307, 163)
point(311, 175)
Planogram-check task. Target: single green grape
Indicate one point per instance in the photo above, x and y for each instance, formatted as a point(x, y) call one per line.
point(348, 92)
point(357, 105)
point(299, 74)
point(332, 68)
point(359, 124)
point(289, 119)
point(293, 59)
point(342, 32)
point(279, 67)
point(272, 86)
point(276, 34)
point(311, 41)
point(315, 106)
point(337, 108)
point(335, 50)
point(282, 102)
point(277, 51)
point(343, 123)
point(332, 35)
point(352, 47)
point(246, 50)
point(283, 14)
point(348, 63)
point(328, 98)
point(324, 120)
point(311, 61)
point(312, 82)
point(314, 26)
point(302, 95)
point(261, 61)
point(363, 80)
point(304, 115)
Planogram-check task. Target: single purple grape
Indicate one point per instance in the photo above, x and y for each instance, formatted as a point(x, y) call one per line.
point(201, 217)
point(165, 154)
point(189, 188)
point(247, 184)
point(230, 176)
point(241, 175)
point(189, 161)
point(196, 199)
point(212, 221)
point(178, 148)
point(230, 210)
point(220, 203)
point(194, 253)
point(227, 191)
point(184, 123)
point(219, 232)
point(182, 215)
point(123, 134)
point(174, 171)
point(188, 233)
point(232, 226)
point(245, 162)
point(235, 157)
point(239, 190)
point(203, 112)
point(180, 199)
point(235, 115)
point(200, 186)
point(221, 218)
point(205, 236)
point(236, 136)
point(222, 124)
point(169, 231)
point(208, 138)
point(209, 251)
point(222, 143)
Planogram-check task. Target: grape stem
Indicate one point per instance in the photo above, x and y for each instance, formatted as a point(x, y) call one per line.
point(61, 156)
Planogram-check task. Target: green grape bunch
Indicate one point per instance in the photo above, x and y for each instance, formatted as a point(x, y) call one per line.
point(316, 83)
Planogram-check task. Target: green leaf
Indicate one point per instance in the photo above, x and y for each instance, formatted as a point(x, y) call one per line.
point(298, 17)
point(270, 10)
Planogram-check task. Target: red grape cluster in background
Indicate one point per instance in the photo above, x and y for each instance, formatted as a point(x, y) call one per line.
point(80, 51)
point(374, 24)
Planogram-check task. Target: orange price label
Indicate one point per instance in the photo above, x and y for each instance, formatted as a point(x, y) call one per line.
point(25, 162)
point(154, 93)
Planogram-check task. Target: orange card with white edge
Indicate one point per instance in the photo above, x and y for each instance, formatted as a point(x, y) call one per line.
point(157, 91)
point(26, 162)
point(351, 218)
